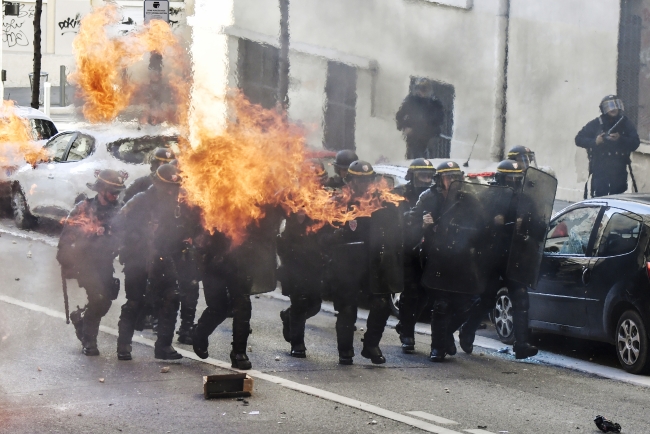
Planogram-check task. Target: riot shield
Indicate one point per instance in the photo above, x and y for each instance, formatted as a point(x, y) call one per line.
point(385, 251)
point(533, 214)
point(463, 250)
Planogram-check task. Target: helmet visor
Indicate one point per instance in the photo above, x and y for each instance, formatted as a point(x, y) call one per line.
point(527, 160)
point(514, 181)
point(422, 178)
point(611, 104)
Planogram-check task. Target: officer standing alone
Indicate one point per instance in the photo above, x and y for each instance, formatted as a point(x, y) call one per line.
point(609, 140)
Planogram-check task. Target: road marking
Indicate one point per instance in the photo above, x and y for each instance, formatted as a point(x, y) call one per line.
point(309, 390)
point(50, 241)
point(478, 431)
point(432, 417)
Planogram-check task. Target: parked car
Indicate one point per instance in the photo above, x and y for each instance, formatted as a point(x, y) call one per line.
point(595, 277)
point(50, 189)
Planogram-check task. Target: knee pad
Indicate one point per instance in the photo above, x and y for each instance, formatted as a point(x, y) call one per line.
point(380, 302)
point(519, 296)
point(347, 315)
point(440, 306)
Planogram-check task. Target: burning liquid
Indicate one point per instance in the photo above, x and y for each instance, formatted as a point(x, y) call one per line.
point(15, 140)
point(102, 69)
point(256, 162)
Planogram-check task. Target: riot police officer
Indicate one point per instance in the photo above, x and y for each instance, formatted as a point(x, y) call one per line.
point(156, 226)
point(86, 252)
point(301, 273)
point(522, 155)
point(509, 174)
point(427, 212)
point(375, 250)
point(413, 299)
point(231, 274)
point(341, 164)
point(159, 157)
point(609, 140)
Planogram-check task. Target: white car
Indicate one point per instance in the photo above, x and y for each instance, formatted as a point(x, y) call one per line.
point(50, 189)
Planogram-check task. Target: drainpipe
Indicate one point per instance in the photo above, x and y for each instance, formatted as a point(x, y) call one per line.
point(497, 149)
point(283, 85)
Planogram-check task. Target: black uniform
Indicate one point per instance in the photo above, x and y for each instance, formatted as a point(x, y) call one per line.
point(86, 252)
point(138, 186)
point(301, 275)
point(608, 161)
point(414, 298)
point(425, 117)
point(229, 276)
point(155, 226)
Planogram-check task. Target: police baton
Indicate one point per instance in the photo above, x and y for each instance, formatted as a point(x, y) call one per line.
point(64, 284)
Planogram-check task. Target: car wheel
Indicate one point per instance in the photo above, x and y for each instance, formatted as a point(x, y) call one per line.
point(394, 304)
point(502, 317)
point(632, 343)
point(22, 217)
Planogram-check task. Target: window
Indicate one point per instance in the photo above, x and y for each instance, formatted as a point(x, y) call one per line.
point(42, 129)
point(258, 69)
point(82, 147)
point(620, 237)
point(57, 146)
point(138, 151)
point(340, 108)
point(569, 234)
point(440, 147)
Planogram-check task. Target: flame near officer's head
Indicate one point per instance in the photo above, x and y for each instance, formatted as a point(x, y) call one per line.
point(258, 161)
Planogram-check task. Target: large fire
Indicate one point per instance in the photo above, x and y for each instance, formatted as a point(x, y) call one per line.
point(256, 162)
point(16, 142)
point(235, 173)
point(103, 63)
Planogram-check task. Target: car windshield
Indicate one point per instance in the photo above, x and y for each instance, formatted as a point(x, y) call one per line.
point(138, 150)
point(42, 129)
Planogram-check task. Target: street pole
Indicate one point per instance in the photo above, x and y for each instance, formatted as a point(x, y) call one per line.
point(36, 80)
point(283, 85)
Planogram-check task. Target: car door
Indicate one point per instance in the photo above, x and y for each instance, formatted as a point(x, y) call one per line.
point(616, 261)
point(561, 292)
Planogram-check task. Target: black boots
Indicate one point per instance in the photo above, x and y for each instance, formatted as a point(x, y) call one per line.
point(76, 318)
point(238, 357)
point(345, 356)
point(124, 352)
point(408, 344)
point(466, 337)
point(165, 352)
point(521, 347)
point(374, 354)
point(285, 316)
point(185, 332)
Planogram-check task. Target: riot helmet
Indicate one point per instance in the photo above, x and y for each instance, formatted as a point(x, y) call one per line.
point(509, 174)
point(109, 184)
point(420, 174)
point(446, 173)
point(360, 176)
point(161, 156)
point(611, 103)
point(343, 160)
point(422, 87)
point(167, 179)
point(523, 155)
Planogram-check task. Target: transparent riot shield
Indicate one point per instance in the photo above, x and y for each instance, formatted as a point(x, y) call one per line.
point(385, 251)
point(533, 214)
point(464, 248)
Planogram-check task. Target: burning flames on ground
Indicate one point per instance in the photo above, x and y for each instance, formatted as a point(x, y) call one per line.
point(102, 69)
point(15, 139)
point(256, 162)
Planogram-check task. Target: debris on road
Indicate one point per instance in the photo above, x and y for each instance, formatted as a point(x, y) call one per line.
point(372, 422)
point(254, 412)
point(39, 368)
point(164, 369)
point(227, 386)
point(29, 254)
point(277, 358)
point(101, 380)
point(504, 350)
point(17, 279)
point(606, 425)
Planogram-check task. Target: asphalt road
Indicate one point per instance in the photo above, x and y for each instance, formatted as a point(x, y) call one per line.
point(47, 385)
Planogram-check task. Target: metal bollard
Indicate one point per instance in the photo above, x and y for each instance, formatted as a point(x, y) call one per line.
point(47, 97)
point(62, 81)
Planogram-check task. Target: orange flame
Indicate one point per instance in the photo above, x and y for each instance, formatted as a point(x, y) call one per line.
point(103, 61)
point(15, 139)
point(256, 162)
point(87, 224)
